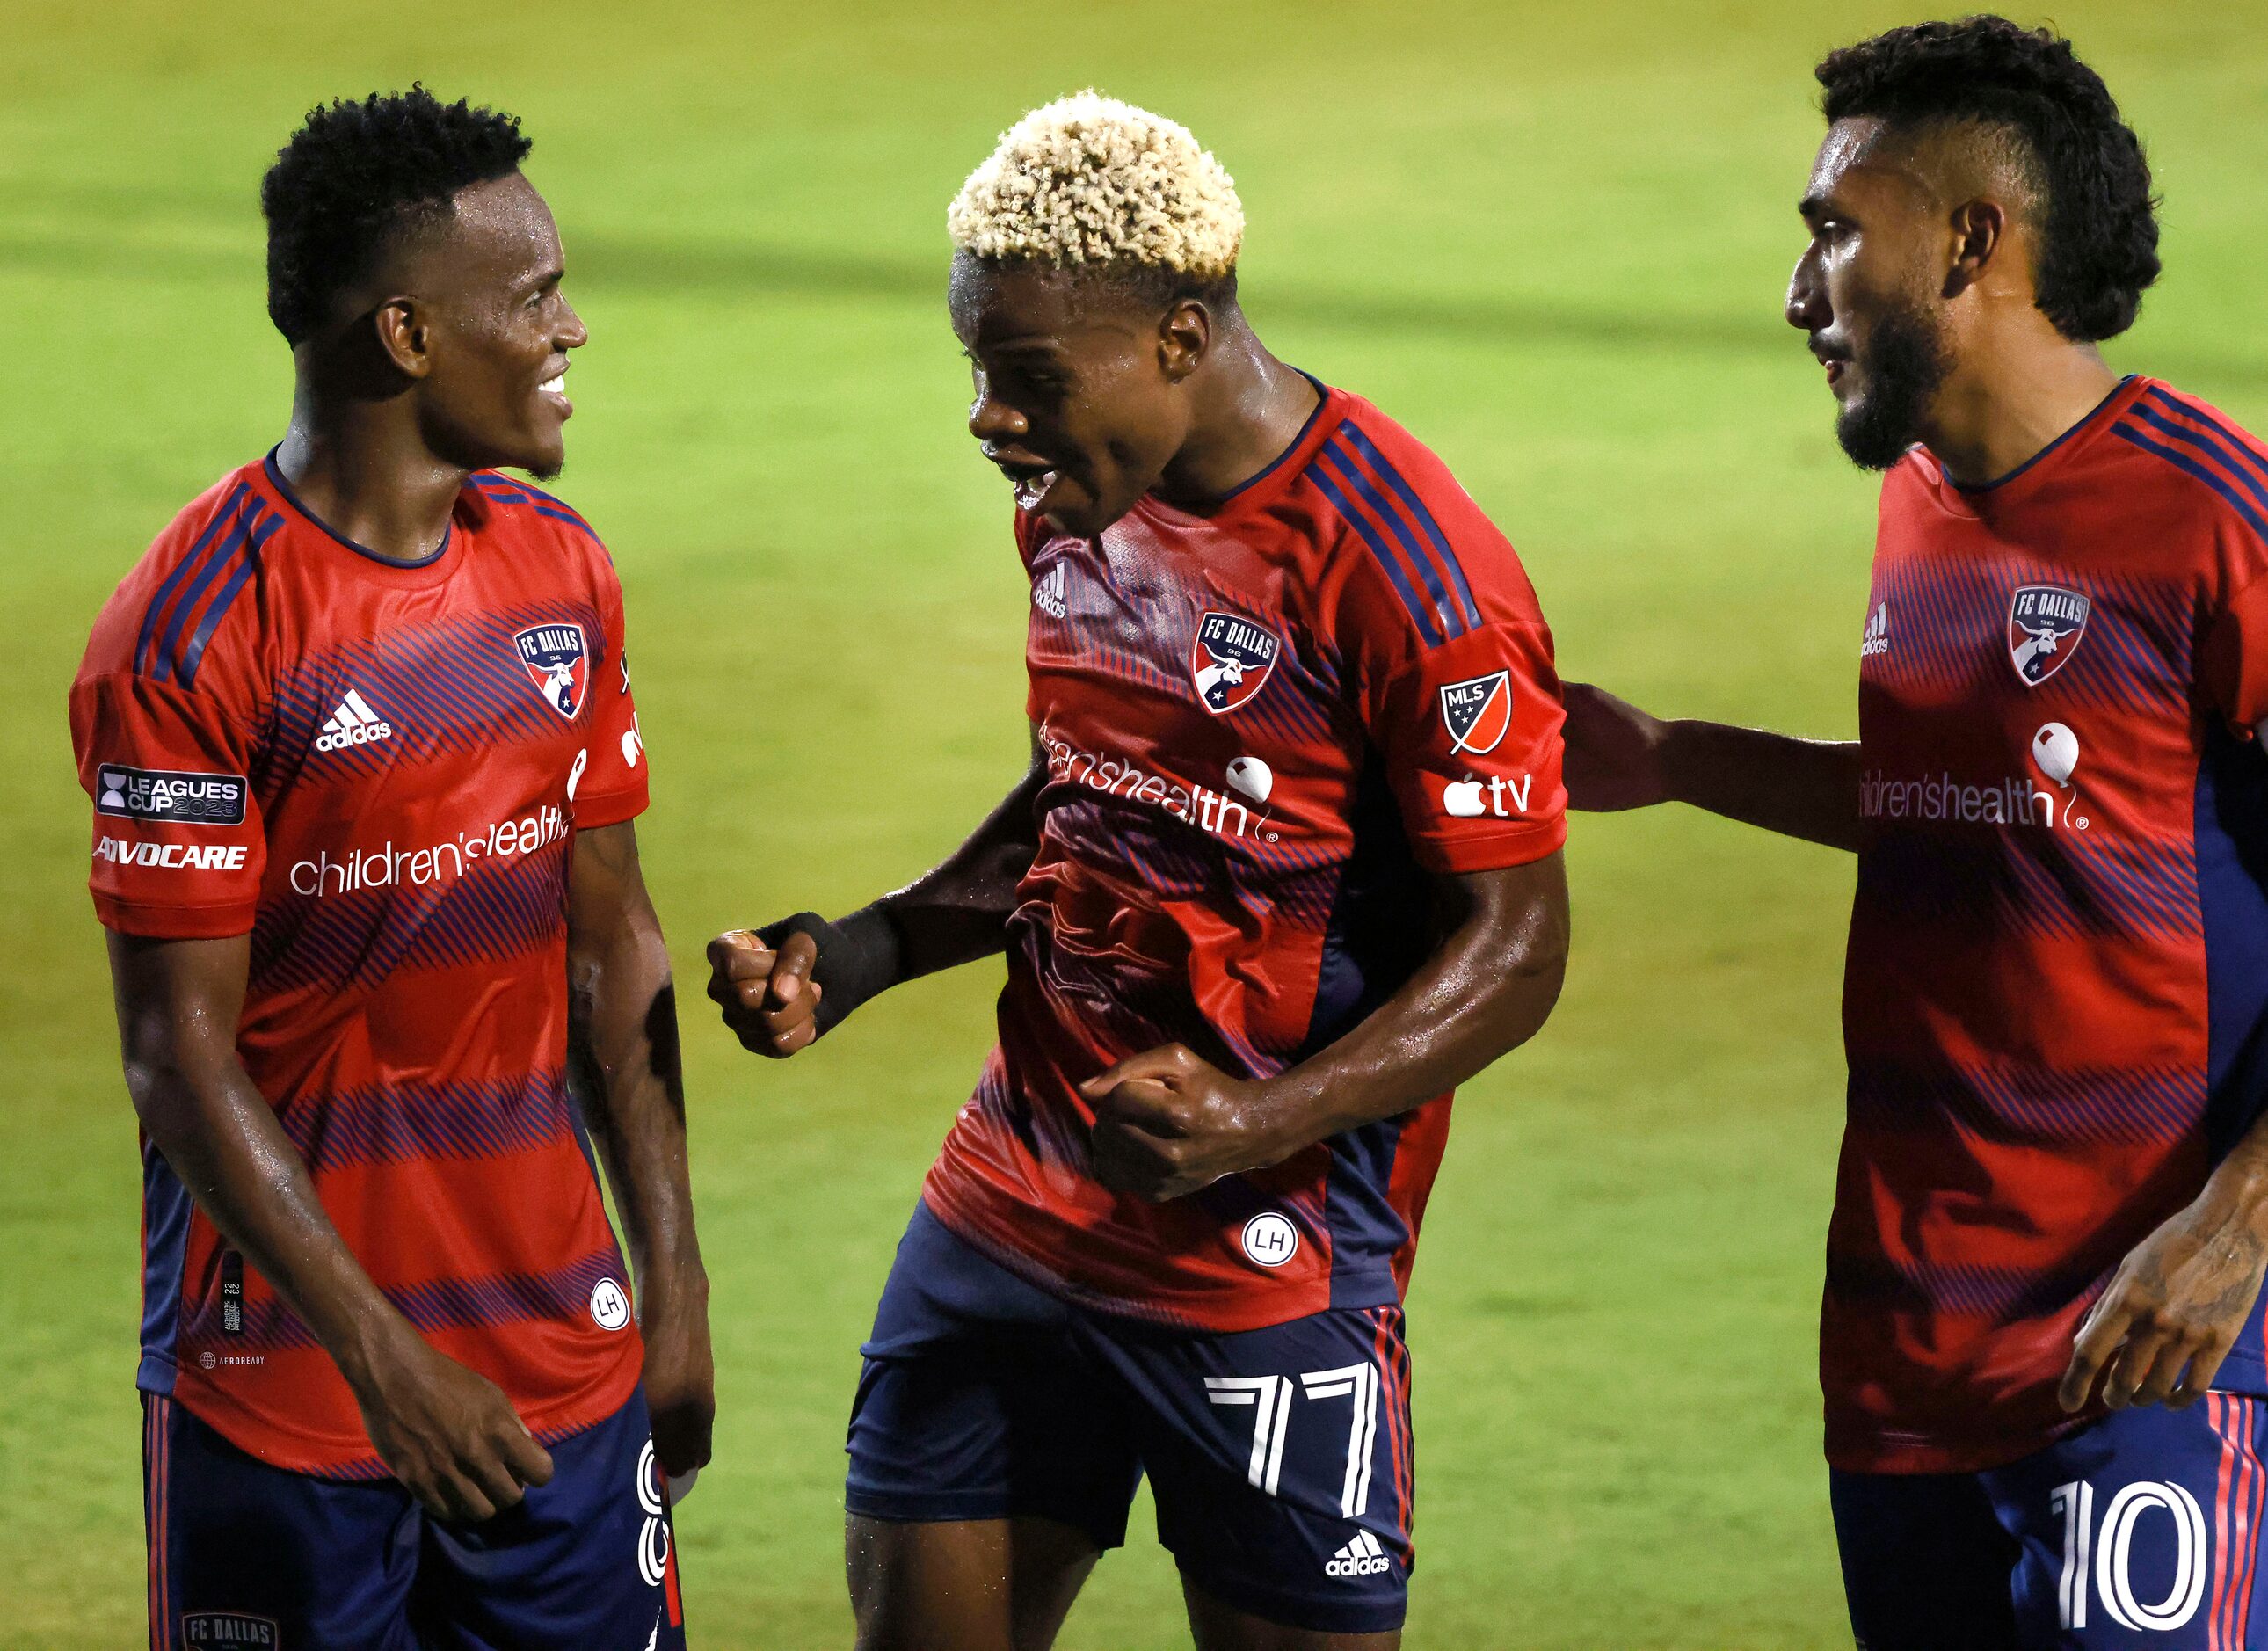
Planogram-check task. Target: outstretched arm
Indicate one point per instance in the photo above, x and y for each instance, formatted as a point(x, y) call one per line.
point(1619, 757)
point(622, 1038)
point(446, 1433)
point(1167, 1123)
point(783, 985)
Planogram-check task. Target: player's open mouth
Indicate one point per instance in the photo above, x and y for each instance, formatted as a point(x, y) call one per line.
point(555, 388)
point(1033, 482)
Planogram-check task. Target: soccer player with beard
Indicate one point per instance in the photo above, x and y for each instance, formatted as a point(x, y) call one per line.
point(1285, 869)
point(359, 734)
point(2042, 1344)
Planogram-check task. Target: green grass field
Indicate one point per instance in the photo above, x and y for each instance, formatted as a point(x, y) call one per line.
point(1551, 240)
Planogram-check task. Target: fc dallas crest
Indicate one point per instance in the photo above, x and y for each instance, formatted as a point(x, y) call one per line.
point(555, 657)
point(1230, 660)
point(2046, 624)
point(1477, 712)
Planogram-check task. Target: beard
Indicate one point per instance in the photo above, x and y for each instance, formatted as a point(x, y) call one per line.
point(1906, 361)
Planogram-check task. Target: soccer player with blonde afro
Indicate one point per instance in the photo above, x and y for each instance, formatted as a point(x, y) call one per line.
point(1285, 869)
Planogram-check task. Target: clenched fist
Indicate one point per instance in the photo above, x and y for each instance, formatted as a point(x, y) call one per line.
point(768, 996)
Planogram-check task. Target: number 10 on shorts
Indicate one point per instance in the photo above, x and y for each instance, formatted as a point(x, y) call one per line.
point(1270, 1398)
point(2110, 1545)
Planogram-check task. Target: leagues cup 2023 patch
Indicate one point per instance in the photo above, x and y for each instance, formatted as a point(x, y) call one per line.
point(173, 795)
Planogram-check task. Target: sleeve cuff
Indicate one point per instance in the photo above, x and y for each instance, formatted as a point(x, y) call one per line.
point(592, 812)
point(174, 923)
point(1499, 851)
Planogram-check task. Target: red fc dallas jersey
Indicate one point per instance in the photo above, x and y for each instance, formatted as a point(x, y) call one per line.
point(1261, 726)
point(376, 770)
point(2057, 978)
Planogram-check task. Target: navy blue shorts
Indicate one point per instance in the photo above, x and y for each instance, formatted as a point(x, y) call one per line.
point(2143, 1529)
point(247, 1555)
point(1279, 1458)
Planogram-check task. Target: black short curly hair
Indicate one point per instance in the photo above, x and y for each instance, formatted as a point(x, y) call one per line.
point(2099, 245)
point(356, 175)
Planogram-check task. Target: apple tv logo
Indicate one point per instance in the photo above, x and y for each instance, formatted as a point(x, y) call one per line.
point(1464, 799)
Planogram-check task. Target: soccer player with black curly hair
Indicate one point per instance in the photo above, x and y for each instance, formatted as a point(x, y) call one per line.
point(1285, 869)
point(2046, 1387)
point(358, 734)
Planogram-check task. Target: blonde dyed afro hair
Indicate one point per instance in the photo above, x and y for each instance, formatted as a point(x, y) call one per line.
point(1088, 179)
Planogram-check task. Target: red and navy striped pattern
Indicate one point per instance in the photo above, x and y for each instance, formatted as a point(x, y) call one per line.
point(2195, 440)
point(503, 489)
point(2241, 1493)
point(410, 1027)
point(498, 910)
point(464, 1119)
point(157, 1514)
point(1916, 1285)
point(1110, 608)
point(1242, 880)
point(1952, 622)
point(2058, 980)
point(2071, 887)
point(1411, 550)
point(2024, 1105)
point(192, 600)
point(454, 686)
point(1390, 1347)
point(561, 1296)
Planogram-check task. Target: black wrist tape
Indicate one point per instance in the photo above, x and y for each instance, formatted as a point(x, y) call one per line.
point(858, 956)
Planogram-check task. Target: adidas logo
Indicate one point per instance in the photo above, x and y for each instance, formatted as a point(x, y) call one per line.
point(353, 723)
point(1048, 595)
point(1877, 637)
point(1362, 1557)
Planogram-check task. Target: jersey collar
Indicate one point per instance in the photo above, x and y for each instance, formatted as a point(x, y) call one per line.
point(1996, 494)
point(1265, 483)
point(274, 473)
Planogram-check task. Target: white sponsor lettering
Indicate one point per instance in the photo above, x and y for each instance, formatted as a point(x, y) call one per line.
point(653, 1537)
point(1461, 799)
point(1941, 798)
point(387, 867)
point(1209, 810)
point(353, 723)
point(1362, 1557)
point(173, 857)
